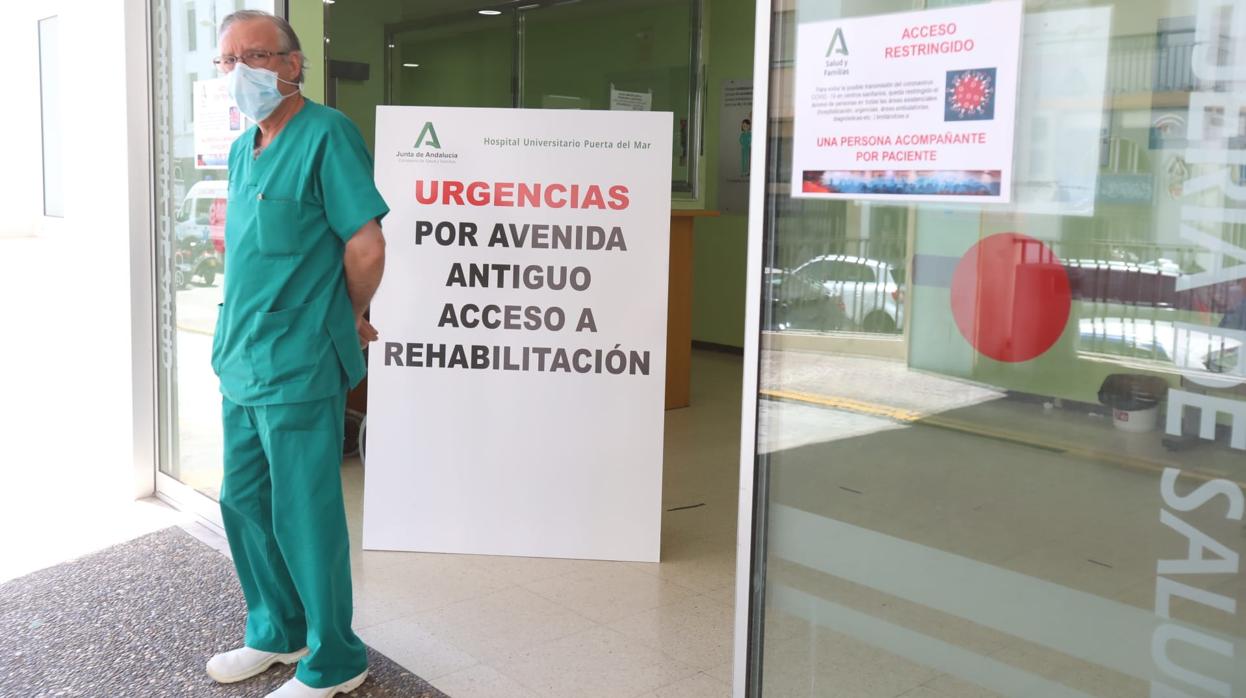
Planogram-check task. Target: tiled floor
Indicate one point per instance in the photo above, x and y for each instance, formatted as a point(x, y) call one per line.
point(478, 627)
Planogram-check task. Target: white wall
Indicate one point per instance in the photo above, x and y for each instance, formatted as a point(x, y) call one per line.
point(20, 184)
point(69, 359)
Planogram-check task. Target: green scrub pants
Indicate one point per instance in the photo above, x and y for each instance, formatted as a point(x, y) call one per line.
point(281, 502)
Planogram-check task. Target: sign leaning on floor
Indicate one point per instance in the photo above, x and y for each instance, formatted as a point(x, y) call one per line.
point(515, 399)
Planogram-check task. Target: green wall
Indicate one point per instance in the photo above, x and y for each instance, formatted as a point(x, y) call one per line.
point(307, 18)
point(356, 33)
point(721, 247)
point(574, 53)
point(463, 70)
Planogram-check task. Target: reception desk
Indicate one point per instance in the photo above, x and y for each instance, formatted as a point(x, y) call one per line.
point(679, 309)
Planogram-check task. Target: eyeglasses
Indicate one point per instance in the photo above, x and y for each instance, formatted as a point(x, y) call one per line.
point(251, 58)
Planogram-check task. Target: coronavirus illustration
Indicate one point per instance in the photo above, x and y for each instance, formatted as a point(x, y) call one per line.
point(970, 94)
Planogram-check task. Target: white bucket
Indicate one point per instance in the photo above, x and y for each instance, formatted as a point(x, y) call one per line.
point(1136, 420)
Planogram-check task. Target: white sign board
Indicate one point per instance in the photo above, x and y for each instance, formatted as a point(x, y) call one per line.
point(217, 123)
point(516, 394)
point(913, 106)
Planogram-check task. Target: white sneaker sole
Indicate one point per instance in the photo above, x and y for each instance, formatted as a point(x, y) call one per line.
point(350, 685)
point(258, 669)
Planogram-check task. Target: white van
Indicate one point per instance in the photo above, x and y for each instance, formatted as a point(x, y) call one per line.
point(199, 233)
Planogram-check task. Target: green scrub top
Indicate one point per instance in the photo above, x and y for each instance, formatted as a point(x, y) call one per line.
point(286, 331)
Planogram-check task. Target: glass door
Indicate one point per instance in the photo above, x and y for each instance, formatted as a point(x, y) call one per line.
point(1001, 444)
point(646, 55)
point(462, 60)
point(193, 128)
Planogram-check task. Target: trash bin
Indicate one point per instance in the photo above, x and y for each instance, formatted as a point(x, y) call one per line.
point(1134, 400)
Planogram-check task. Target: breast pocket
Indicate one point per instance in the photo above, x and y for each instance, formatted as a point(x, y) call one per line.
point(282, 226)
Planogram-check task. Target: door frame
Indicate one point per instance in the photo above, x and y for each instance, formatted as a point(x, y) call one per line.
point(751, 519)
point(183, 497)
point(144, 330)
point(151, 446)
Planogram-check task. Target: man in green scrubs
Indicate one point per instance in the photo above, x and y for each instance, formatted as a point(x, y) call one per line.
point(304, 255)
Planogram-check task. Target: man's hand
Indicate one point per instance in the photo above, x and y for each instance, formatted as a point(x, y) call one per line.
point(367, 333)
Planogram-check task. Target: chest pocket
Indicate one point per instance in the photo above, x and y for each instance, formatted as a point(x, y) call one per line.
point(284, 226)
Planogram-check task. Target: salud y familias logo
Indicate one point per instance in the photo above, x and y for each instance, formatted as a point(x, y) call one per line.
point(427, 137)
point(838, 45)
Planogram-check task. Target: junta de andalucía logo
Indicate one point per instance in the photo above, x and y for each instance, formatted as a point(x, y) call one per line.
point(428, 137)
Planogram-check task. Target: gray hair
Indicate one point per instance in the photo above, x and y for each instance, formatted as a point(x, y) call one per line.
point(289, 40)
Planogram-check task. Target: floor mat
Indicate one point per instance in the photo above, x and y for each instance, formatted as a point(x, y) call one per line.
point(141, 619)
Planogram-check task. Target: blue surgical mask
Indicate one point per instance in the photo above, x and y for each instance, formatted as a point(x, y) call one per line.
point(255, 90)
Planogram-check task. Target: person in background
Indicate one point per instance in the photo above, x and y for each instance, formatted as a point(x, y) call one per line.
point(746, 146)
point(306, 255)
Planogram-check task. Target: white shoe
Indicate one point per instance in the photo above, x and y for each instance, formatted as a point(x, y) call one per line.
point(297, 689)
point(244, 662)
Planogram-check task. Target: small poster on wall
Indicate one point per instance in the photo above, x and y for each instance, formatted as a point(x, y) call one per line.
point(735, 145)
point(217, 123)
point(623, 100)
point(912, 106)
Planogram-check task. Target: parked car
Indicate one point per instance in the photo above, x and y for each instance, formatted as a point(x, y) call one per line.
point(872, 291)
point(1191, 349)
point(1149, 283)
point(799, 304)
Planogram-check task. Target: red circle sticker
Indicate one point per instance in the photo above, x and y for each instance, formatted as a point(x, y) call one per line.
point(1011, 297)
